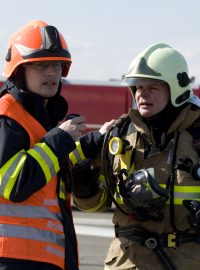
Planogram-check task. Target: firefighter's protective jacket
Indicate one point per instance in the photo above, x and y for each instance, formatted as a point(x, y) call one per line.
point(126, 252)
point(35, 216)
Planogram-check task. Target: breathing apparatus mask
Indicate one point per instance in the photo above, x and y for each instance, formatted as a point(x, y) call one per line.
point(142, 193)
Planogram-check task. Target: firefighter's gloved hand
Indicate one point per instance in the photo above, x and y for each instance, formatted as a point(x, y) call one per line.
point(140, 196)
point(85, 179)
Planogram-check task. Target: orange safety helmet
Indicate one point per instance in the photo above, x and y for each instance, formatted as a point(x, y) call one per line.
point(37, 41)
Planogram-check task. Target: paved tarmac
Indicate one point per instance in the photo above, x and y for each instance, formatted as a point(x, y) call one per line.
point(94, 233)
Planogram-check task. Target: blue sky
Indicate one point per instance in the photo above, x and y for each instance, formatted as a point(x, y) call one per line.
point(104, 36)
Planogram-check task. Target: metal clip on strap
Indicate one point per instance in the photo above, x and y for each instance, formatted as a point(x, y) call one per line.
point(152, 243)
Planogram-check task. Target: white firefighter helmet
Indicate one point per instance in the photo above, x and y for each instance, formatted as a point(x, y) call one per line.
point(162, 62)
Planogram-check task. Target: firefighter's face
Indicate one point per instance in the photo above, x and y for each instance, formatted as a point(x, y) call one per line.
point(151, 96)
point(43, 78)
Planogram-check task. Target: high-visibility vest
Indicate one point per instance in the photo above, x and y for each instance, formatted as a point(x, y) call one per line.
point(31, 230)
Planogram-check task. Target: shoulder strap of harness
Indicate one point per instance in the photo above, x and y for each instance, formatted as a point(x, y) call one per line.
point(124, 126)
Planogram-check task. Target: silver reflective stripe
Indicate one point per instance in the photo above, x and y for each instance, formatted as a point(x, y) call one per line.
point(188, 195)
point(46, 158)
point(53, 225)
point(50, 202)
point(26, 211)
point(11, 169)
point(77, 154)
point(55, 251)
point(25, 232)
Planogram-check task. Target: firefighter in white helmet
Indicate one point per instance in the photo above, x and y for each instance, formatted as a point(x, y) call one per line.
point(150, 161)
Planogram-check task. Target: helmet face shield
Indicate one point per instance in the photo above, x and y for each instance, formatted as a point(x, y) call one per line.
point(136, 81)
point(161, 62)
point(36, 42)
point(129, 81)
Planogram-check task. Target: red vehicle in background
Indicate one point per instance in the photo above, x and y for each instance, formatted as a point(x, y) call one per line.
point(196, 90)
point(99, 101)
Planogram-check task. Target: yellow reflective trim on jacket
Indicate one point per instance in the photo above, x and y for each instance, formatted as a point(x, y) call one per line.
point(46, 158)
point(125, 160)
point(102, 178)
point(184, 193)
point(77, 154)
point(186, 189)
point(103, 198)
point(62, 190)
point(9, 173)
point(119, 198)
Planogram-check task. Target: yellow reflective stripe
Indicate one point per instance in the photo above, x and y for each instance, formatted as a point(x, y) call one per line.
point(187, 189)
point(46, 159)
point(77, 154)
point(184, 193)
point(45, 167)
point(73, 157)
point(102, 178)
point(125, 160)
point(103, 198)
point(62, 190)
point(119, 198)
point(123, 163)
point(9, 173)
point(184, 189)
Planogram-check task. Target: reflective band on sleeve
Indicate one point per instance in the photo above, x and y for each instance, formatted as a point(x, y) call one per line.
point(102, 178)
point(62, 190)
point(119, 198)
point(77, 154)
point(9, 173)
point(187, 189)
point(46, 158)
point(103, 198)
point(184, 193)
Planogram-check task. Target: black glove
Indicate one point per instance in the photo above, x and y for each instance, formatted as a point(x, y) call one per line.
point(85, 179)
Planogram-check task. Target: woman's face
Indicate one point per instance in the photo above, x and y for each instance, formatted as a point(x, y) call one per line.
point(151, 96)
point(43, 78)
